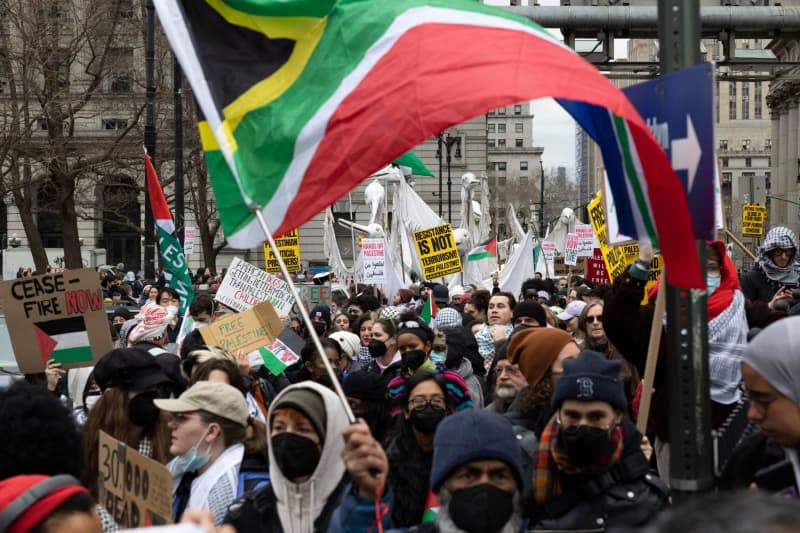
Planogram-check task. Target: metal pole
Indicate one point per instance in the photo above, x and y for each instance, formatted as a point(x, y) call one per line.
point(337, 387)
point(177, 79)
point(691, 466)
point(449, 184)
point(541, 199)
point(352, 229)
point(149, 142)
point(439, 154)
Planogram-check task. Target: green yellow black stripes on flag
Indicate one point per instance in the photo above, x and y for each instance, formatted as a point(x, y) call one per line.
point(254, 58)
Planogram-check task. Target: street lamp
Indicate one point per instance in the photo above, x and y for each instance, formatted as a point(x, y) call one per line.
point(541, 199)
point(448, 142)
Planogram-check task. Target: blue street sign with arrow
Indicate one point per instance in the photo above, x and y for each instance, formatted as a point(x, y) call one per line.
point(679, 109)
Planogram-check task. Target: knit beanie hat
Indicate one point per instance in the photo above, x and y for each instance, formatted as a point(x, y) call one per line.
point(307, 402)
point(473, 435)
point(350, 342)
point(365, 385)
point(321, 312)
point(535, 350)
point(27, 501)
point(530, 309)
point(589, 378)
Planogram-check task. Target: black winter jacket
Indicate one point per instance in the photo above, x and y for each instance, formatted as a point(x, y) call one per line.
point(756, 285)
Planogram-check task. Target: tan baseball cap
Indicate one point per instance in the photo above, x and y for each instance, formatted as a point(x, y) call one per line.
point(213, 397)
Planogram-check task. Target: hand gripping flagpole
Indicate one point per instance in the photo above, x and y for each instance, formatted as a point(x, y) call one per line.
point(337, 387)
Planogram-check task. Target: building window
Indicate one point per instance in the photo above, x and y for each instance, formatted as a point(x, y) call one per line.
point(491, 127)
point(518, 143)
point(115, 123)
point(501, 110)
point(501, 142)
point(727, 177)
point(523, 165)
point(519, 127)
point(523, 181)
point(490, 143)
point(120, 65)
point(748, 162)
point(499, 165)
point(746, 144)
point(757, 101)
point(767, 144)
point(745, 100)
point(518, 109)
point(732, 100)
point(501, 128)
point(724, 162)
point(723, 144)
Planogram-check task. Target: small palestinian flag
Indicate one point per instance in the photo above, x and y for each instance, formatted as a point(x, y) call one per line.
point(65, 340)
point(486, 250)
point(277, 356)
point(429, 310)
point(411, 165)
point(431, 508)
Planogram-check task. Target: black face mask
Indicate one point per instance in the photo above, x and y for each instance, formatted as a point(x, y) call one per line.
point(413, 359)
point(142, 411)
point(376, 348)
point(483, 508)
point(325, 378)
point(320, 328)
point(296, 456)
point(425, 419)
point(584, 445)
point(118, 327)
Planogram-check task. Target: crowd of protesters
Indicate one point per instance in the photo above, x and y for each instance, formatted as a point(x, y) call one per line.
point(506, 412)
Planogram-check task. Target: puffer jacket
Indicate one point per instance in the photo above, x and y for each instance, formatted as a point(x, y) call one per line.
point(624, 499)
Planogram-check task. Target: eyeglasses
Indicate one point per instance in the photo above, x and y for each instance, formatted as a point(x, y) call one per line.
point(594, 318)
point(418, 402)
point(782, 251)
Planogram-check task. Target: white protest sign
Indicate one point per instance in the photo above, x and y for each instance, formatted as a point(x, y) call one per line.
point(549, 252)
point(571, 249)
point(246, 285)
point(189, 235)
point(373, 253)
point(586, 240)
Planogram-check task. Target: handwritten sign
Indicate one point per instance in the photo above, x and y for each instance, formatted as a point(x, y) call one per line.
point(189, 235)
point(596, 268)
point(586, 242)
point(134, 489)
point(58, 315)
point(571, 249)
point(247, 331)
point(753, 217)
point(289, 248)
point(437, 252)
point(246, 285)
point(373, 254)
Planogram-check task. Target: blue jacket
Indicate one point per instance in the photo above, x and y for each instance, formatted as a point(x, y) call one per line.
point(357, 515)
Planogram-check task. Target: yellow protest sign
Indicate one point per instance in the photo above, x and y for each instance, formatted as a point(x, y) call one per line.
point(617, 258)
point(438, 255)
point(134, 489)
point(753, 218)
point(289, 247)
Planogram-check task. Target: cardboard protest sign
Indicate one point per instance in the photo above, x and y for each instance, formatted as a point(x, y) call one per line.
point(246, 285)
point(437, 252)
point(571, 249)
point(586, 240)
point(617, 258)
point(373, 254)
point(59, 315)
point(289, 248)
point(560, 268)
point(247, 331)
point(134, 489)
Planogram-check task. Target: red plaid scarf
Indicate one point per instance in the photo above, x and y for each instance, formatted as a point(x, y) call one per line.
point(550, 460)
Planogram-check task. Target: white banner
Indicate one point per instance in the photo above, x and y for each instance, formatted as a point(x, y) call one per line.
point(246, 285)
point(373, 252)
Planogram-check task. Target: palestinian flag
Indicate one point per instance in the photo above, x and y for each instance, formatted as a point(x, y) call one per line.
point(486, 250)
point(429, 310)
point(303, 99)
point(277, 356)
point(170, 249)
point(65, 340)
point(411, 165)
point(431, 508)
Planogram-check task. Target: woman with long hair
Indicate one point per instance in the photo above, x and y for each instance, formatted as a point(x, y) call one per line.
point(130, 380)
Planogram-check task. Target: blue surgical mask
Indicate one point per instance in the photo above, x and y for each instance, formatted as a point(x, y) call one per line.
point(192, 460)
point(437, 357)
point(712, 282)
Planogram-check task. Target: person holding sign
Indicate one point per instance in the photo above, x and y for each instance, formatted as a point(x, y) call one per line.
point(209, 422)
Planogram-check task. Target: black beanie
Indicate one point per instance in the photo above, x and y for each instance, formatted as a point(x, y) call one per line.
point(365, 386)
point(530, 309)
point(308, 402)
point(590, 377)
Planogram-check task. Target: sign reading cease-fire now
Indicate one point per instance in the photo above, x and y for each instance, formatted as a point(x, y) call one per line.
point(753, 218)
point(437, 251)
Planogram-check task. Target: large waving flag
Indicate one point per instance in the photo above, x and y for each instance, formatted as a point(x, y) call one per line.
point(169, 247)
point(303, 99)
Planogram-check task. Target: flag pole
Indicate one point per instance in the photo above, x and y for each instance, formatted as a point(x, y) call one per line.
point(337, 387)
point(352, 230)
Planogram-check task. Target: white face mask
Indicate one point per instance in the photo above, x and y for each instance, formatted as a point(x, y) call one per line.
point(92, 399)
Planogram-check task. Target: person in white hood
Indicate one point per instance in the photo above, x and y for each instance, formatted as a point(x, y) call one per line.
point(307, 473)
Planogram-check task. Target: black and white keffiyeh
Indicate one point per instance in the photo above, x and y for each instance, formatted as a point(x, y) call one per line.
point(727, 338)
point(778, 237)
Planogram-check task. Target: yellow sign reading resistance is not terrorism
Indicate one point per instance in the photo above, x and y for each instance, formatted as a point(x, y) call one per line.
point(437, 252)
point(289, 247)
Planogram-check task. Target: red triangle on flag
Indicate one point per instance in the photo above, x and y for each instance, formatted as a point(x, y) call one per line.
point(46, 343)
